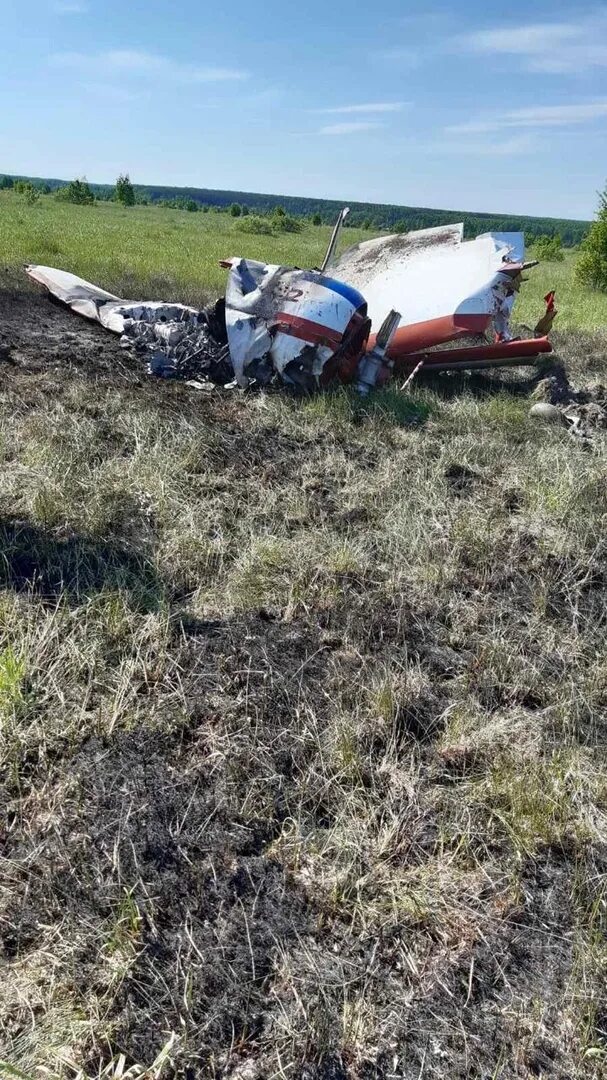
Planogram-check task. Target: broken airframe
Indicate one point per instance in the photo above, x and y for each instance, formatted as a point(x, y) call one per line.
point(384, 307)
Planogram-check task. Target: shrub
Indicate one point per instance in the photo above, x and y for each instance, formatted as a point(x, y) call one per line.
point(282, 222)
point(179, 204)
point(591, 267)
point(549, 248)
point(289, 224)
point(269, 226)
point(124, 191)
point(317, 220)
point(77, 191)
point(6, 182)
point(254, 224)
point(236, 209)
point(30, 193)
point(245, 210)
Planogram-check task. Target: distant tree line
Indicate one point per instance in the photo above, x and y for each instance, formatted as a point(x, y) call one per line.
point(372, 216)
point(23, 185)
point(77, 191)
point(266, 214)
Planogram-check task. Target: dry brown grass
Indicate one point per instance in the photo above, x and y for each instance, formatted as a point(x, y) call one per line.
point(302, 716)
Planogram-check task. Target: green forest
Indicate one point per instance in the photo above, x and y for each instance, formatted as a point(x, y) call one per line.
point(375, 216)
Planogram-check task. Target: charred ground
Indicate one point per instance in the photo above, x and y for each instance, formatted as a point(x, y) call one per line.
point(303, 723)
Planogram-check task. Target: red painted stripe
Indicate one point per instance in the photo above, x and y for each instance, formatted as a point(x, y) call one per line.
point(306, 330)
point(499, 353)
point(424, 335)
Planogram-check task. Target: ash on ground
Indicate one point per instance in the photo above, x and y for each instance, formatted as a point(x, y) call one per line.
point(583, 411)
point(192, 346)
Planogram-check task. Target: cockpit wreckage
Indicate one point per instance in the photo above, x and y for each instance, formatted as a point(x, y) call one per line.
point(385, 307)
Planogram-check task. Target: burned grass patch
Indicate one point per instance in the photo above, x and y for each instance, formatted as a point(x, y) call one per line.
point(301, 733)
point(71, 568)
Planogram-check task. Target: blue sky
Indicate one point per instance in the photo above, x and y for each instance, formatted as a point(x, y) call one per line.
point(471, 106)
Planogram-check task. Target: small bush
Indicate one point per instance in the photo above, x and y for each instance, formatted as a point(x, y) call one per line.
point(27, 190)
point(549, 248)
point(180, 204)
point(291, 225)
point(282, 222)
point(317, 220)
point(591, 267)
point(260, 226)
point(236, 209)
point(273, 225)
point(124, 191)
point(77, 191)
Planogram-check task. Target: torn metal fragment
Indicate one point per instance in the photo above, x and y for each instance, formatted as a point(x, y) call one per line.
point(375, 367)
point(298, 324)
point(177, 341)
point(443, 286)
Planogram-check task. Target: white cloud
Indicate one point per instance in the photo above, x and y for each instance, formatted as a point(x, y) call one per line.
point(399, 57)
point(536, 116)
point(502, 148)
point(70, 7)
point(372, 107)
point(348, 128)
point(522, 40)
point(110, 93)
point(426, 19)
point(550, 47)
point(518, 144)
point(138, 62)
point(508, 147)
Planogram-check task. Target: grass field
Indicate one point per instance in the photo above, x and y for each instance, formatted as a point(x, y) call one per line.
point(303, 704)
point(174, 255)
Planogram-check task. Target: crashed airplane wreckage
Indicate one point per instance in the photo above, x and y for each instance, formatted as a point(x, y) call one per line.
point(384, 307)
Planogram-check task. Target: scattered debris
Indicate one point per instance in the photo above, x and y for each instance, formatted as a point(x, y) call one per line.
point(186, 347)
point(375, 362)
point(297, 324)
point(543, 410)
point(544, 326)
point(307, 329)
point(410, 378)
point(583, 412)
point(177, 341)
point(446, 288)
